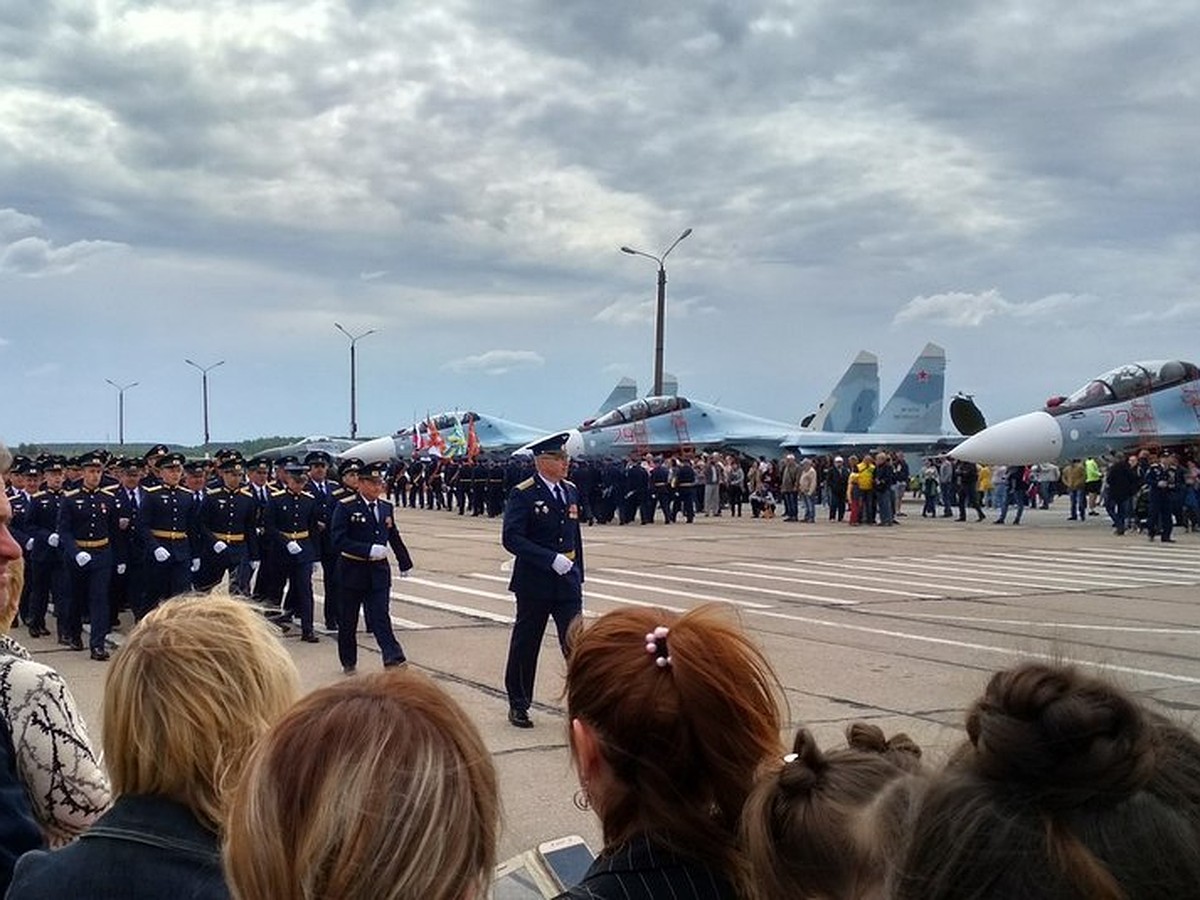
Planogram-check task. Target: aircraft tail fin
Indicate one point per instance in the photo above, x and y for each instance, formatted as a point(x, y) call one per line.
point(625, 391)
point(854, 402)
point(916, 407)
point(670, 385)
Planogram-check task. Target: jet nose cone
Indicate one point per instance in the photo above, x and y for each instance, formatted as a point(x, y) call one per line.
point(1031, 438)
point(380, 449)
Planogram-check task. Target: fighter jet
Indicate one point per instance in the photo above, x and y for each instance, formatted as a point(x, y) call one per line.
point(853, 405)
point(664, 423)
point(332, 446)
point(448, 434)
point(1139, 404)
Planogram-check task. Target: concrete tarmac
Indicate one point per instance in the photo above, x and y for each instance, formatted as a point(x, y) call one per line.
point(899, 626)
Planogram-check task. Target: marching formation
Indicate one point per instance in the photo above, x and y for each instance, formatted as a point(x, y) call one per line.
point(103, 535)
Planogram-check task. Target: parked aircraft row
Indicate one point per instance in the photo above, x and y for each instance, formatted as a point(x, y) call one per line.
point(1141, 404)
point(849, 418)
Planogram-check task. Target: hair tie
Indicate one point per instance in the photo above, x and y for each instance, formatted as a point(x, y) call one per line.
point(656, 646)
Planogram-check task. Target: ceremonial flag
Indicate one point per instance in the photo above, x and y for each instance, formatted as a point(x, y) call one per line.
point(437, 446)
point(473, 447)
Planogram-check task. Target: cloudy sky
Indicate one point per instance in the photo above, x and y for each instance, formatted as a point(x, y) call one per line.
point(225, 179)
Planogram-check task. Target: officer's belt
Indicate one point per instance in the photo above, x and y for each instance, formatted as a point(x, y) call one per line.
point(92, 545)
point(169, 535)
point(365, 559)
point(570, 555)
point(229, 538)
point(294, 535)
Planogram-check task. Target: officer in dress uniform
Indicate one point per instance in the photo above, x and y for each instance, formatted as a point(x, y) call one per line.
point(323, 489)
point(167, 529)
point(49, 576)
point(128, 587)
point(363, 527)
point(258, 475)
point(23, 475)
point(541, 529)
point(151, 460)
point(227, 522)
point(87, 523)
point(291, 525)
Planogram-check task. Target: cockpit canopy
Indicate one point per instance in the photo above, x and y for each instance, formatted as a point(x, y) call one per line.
point(442, 422)
point(635, 410)
point(1124, 383)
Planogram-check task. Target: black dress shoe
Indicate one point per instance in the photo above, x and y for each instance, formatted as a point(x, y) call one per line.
point(75, 643)
point(349, 670)
point(396, 664)
point(310, 638)
point(101, 655)
point(519, 718)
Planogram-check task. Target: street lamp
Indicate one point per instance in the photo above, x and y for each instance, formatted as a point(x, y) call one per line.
point(662, 300)
point(354, 339)
point(204, 370)
point(121, 389)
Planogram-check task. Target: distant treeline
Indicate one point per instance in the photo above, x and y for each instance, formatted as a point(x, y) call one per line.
point(248, 448)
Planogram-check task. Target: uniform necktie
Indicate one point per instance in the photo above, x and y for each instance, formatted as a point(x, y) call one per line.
point(558, 495)
point(375, 510)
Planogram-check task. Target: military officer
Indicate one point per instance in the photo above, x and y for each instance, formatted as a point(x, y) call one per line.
point(128, 587)
point(227, 523)
point(267, 587)
point(167, 530)
point(323, 490)
point(49, 576)
point(291, 525)
point(87, 523)
point(151, 460)
point(541, 529)
point(363, 527)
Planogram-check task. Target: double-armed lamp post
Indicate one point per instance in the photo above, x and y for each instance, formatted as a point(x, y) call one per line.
point(662, 301)
point(204, 370)
point(121, 389)
point(354, 339)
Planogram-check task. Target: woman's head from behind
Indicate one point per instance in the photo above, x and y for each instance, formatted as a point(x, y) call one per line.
point(196, 683)
point(1070, 775)
point(377, 788)
point(671, 715)
point(808, 826)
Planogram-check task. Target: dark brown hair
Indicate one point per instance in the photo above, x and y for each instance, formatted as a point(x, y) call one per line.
point(800, 824)
point(1066, 788)
point(683, 740)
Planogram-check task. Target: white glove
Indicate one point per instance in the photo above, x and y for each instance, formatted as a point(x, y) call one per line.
point(123, 523)
point(29, 544)
point(82, 558)
point(561, 564)
point(254, 564)
point(120, 568)
point(219, 547)
point(196, 565)
point(162, 554)
point(53, 539)
point(378, 551)
point(293, 548)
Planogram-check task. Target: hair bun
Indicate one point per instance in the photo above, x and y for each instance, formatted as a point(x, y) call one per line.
point(801, 773)
point(1068, 737)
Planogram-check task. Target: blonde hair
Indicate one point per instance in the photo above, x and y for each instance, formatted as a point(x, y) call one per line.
point(196, 683)
point(15, 581)
point(376, 788)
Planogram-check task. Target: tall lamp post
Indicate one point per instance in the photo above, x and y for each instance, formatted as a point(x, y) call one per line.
point(121, 389)
point(354, 339)
point(204, 370)
point(662, 301)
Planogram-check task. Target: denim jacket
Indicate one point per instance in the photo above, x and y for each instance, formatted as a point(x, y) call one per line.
point(144, 848)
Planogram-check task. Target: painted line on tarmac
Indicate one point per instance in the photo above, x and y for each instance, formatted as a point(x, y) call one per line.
point(1132, 629)
point(1088, 568)
point(791, 595)
point(675, 593)
point(406, 624)
point(468, 611)
point(968, 645)
point(1011, 575)
point(890, 579)
point(833, 584)
point(1135, 560)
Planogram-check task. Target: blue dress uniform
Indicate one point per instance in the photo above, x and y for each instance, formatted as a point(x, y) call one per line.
point(129, 555)
point(227, 534)
point(326, 493)
point(167, 530)
point(291, 525)
point(87, 522)
point(48, 575)
point(366, 582)
point(538, 528)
